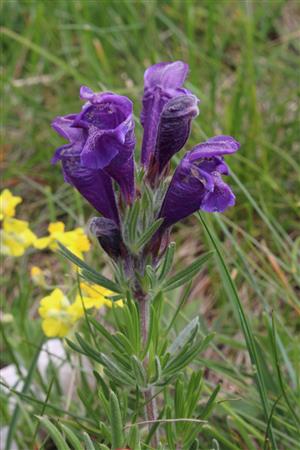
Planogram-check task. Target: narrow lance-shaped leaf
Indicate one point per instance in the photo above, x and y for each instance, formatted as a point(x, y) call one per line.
point(210, 403)
point(55, 434)
point(168, 261)
point(87, 272)
point(147, 235)
point(184, 336)
point(116, 422)
point(88, 442)
point(186, 274)
point(158, 370)
point(71, 437)
point(115, 370)
point(139, 371)
point(133, 221)
point(134, 438)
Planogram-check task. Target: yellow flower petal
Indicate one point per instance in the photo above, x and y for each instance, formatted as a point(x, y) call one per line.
point(16, 237)
point(58, 315)
point(56, 227)
point(76, 241)
point(55, 302)
point(55, 328)
point(98, 295)
point(9, 246)
point(42, 243)
point(8, 203)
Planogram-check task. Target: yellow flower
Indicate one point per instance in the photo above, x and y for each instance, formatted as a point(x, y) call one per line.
point(76, 240)
point(96, 296)
point(16, 237)
point(58, 315)
point(8, 203)
point(37, 275)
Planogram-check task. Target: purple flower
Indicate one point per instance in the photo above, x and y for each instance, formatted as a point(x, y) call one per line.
point(94, 185)
point(162, 83)
point(107, 138)
point(197, 182)
point(173, 132)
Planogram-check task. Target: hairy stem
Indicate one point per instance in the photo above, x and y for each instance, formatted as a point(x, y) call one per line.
point(150, 406)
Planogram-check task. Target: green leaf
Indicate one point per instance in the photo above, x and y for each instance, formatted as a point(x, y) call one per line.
point(158, 370)
point(186, 274)
point(132, 222)
point(114, 370)
point(102, 281)
point(110, 338)
point(89, 351)
point(184, 336)
point(133, 439)
point(210, 403)
point(54, 433)
point(147, 235)
point(88, 442)
point(71, 437)
point(139, 371)
point(87, 272)
point(183, 299)
point(179, 398)
point(116, 422)
point(186, 355)
point(16, 413)
point(168, 261)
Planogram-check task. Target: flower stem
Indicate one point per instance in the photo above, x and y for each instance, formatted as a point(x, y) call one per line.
point(150, 402)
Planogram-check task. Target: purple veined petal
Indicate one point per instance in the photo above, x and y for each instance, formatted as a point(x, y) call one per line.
point(213, 164)
point(105, 111)
point(99, 149)
point(216, 146)
point(220, 198)
point(162, 82)
point(186, 192)
point(123, 174)
point(60, 151)
point(174, 127)
point(94, 185)
point(86, 93)
point(107, 153)
point(166, 74)
point(152, 107)
point(102, 136)
point(63, 126)
point(76, 137)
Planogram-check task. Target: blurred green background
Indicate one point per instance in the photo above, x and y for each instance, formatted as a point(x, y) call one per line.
point(244, 66)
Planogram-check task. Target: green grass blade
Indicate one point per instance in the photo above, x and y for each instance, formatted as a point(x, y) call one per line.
point(16, 413)
point(238, 308)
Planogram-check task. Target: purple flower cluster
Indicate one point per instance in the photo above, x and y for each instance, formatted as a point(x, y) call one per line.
point(98, 159)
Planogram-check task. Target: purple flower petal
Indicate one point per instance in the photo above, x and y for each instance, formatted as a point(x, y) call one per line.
point(86, 93)
point(162, 82)
point(185, 194)
point(197, 182)
point(215, 146)
point(170, 75)
point(220, 198)
point(94, 185)
point(102, 134)
point(174, 129)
